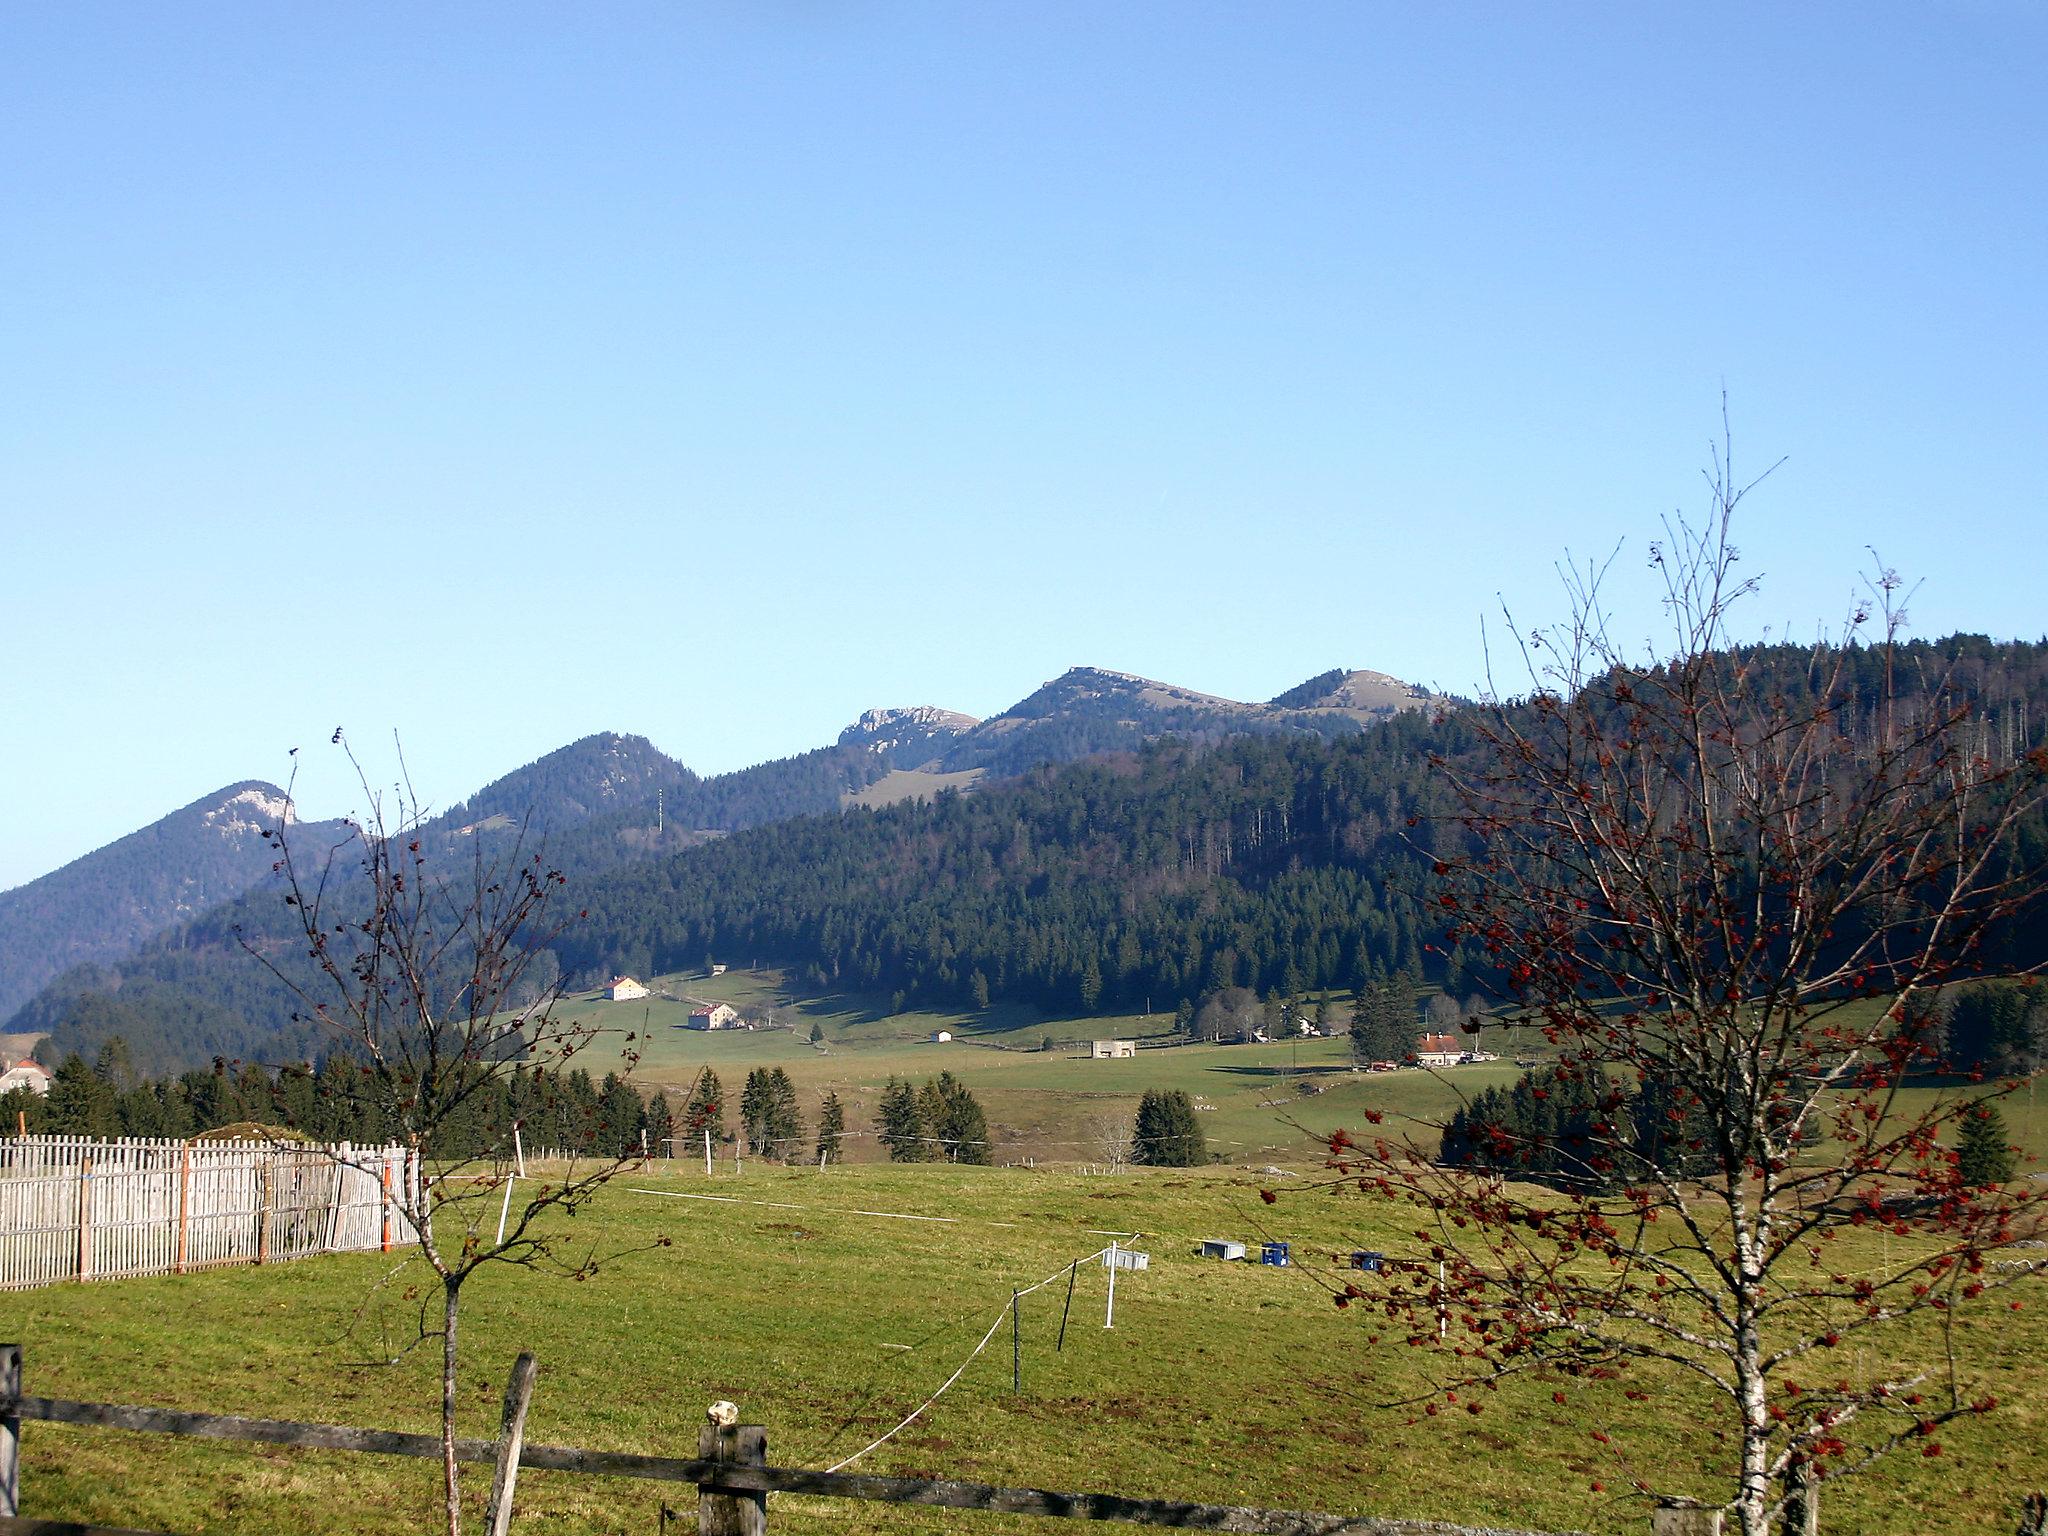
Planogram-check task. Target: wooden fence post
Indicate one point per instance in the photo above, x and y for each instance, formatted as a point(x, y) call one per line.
point(511, 1438)
point(184, 1200)
point(10, 1432)
point(265, 1180)
point(725, 1439)
point(85, 1218)
point(2033, 1515)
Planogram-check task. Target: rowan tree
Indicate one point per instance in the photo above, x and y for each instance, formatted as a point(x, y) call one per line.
point(1722, 879)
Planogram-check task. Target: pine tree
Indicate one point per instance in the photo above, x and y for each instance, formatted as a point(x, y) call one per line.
point(1983, 1152)
point(1168, 1133)
point(831, 1127)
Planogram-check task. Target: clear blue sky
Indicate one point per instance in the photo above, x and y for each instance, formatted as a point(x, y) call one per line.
point(500, 374)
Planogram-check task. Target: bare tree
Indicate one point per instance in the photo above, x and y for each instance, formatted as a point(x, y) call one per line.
point(441, 983)
point(1722, 880)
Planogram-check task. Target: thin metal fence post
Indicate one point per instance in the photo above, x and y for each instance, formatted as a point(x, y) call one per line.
point(1109, 1315)
point(1073, 1272)
point(511, 1438)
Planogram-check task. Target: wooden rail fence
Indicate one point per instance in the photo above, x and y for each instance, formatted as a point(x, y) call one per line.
point(733, 1479)
point(730, 1471)
point(73, 1208)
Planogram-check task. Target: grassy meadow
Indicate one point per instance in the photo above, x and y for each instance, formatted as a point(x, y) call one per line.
point(828, 1322)
point(803, 1296)
point(1044, 1106)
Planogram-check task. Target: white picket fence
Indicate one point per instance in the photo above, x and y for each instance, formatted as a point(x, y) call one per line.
point(73, 1208)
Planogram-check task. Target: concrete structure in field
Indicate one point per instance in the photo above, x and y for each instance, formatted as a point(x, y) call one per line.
point(941, 1036)
point(32, 1075)
point(716, 1016)
point(717, 970)
point(623, 989)
point(1111, 1050)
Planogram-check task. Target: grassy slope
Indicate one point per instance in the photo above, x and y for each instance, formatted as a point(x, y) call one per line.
point(1044, 1105)
point(909, 784)
point(1227, 1383)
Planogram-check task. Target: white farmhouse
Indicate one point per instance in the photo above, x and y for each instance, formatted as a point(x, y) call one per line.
point(32, 1075)
point(714, 1016)
point(623, 989)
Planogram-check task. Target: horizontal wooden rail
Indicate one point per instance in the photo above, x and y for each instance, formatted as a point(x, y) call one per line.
point(15, 1525)
point(726, 1477)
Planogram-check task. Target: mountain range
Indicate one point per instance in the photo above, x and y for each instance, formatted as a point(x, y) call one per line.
point(612, 799)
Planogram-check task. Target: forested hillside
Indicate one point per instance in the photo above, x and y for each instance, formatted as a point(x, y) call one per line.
point(103, 905)
point(1268, 862)
point(1287, 862)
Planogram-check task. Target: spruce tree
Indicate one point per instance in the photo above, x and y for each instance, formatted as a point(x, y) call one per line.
point(902, 1125)
point(831, 1128)
point(962, 1128)
point(1983, 1152)
point(783, 1122)
point(619, 1112)
point(659, 1122)
point(704, 1110)
point(1168, 1133)
point(754, 1097)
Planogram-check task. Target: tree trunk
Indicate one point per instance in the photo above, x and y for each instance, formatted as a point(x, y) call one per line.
point(1754, 1497)
point(450, 1293)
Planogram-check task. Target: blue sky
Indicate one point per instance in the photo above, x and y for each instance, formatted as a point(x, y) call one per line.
point(498, 374)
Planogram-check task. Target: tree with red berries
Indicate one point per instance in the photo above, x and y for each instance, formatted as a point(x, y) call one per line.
point(1724, 880)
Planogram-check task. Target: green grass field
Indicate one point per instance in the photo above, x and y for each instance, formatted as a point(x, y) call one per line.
point(1044, 1106)
point(1226, 1383)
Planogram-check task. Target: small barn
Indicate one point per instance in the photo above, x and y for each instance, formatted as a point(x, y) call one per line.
point(941, 1036)
point(714, 1016)
point(1112, 1050)
point(623, 989)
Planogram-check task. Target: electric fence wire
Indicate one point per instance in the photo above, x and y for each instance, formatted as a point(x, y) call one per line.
point(961, 1369)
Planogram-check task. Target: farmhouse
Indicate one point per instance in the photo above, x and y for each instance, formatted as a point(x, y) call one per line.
point(1112, 1050)
point(715, 1016)
point(941, 1036)
point(1439, 1051)
point(623, 989)
point(32, 1075)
